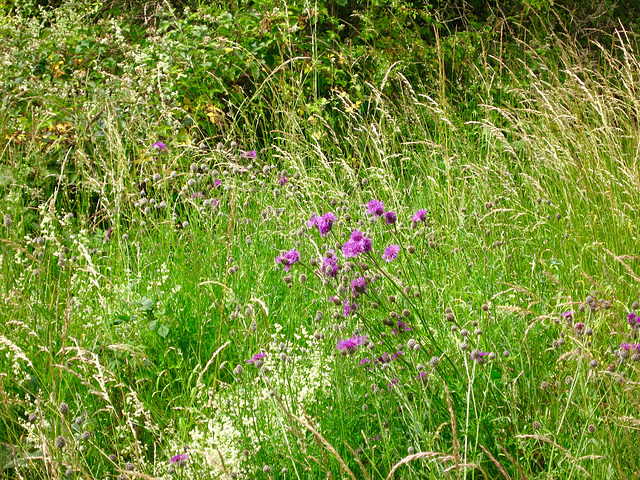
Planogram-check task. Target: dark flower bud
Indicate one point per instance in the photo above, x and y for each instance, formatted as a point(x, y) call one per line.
point(60, 442)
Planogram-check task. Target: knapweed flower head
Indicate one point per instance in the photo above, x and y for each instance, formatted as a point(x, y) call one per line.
point(633, 319)
point(420, 216)
point(287, 259)
point(387, 358)
point(283, 180)
point(568, 314)
point(249, 154)
point(358, 286)
point(324, 222)
point(402, 327)
point(356, 245)
point(479, 357)
point(375, 208)
point(159, 146)
point(629, 347)
point(349, 345)
point(180, 457)
point(390, 217)
point(348, 308)
point(330, 265)
point(391, 253)
point(257, 357)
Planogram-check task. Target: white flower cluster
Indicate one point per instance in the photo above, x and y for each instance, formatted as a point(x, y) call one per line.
point(15, 356)
point(294, 375)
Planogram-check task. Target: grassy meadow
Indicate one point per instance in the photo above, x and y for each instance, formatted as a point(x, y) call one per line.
point(384, 280)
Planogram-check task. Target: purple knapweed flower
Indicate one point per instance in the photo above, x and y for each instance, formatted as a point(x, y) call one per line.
point(358, 286)
point(330, 265)
point(633, 319)
point(197, 195)
point(107, 235)
point(403, 327)
point(477, 353)
point(348, 308)
point(181, 457)
point(365, 245)
point(365, 361)
point(420, 216)
point(568, 314)
point(375, 208)
point(217, 183)
point(287, 259)
point(324, 222)
point(257, 357)
point(351, 248)
point(350, 344)
point(385, 358)
point(249, 154)
point(391, 253)
point(282, 180)
point(356, 236)
point(579, 328)
point(356, 245)
point(479, 357)
point(159, 146)
point(393, 383)
point(390, 217)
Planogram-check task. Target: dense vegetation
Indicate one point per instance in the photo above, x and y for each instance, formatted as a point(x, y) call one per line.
point(330, 240)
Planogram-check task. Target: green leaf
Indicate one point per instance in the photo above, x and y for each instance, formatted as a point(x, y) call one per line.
point(146, 304)
point(163, 330)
